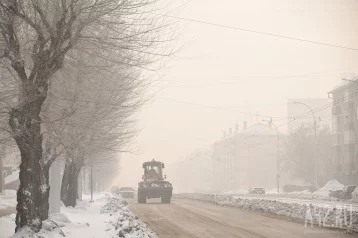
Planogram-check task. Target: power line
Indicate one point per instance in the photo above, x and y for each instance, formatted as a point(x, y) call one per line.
point(260, 32)
point(215, 107)
point(305, 114)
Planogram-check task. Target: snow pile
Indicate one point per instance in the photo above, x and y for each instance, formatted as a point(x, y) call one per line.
point(123, 222)
point(113, 205)
point(7, 226)
point(26, 232)
point(53, 227)
point(50, 228)
point(107, 217)
point(355, 195)
point(332, 185)
point(338, 217)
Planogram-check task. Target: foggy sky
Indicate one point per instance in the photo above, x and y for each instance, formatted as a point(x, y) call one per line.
point(240, 72)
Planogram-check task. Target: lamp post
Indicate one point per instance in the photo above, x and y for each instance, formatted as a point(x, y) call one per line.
point(315, 141)
point(278, 155)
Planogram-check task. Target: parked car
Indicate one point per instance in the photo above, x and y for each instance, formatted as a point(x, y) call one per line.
point(257, 191)
point(126, 192)
point(115, 190)
point(345, 193)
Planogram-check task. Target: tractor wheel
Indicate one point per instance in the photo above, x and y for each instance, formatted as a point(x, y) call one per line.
point(141, 197)
point(166, 199)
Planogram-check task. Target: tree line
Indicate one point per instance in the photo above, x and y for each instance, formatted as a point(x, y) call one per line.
point(71, 81)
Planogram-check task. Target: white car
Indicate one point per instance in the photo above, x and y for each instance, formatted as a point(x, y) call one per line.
point(126, 192)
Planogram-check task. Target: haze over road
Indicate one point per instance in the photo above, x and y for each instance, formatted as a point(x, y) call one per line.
point(188, 218)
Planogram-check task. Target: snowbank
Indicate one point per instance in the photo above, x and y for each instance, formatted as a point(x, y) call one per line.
point(339, 217)
point(50, 228)
point(332, 185)
point(107, 217)
point(124, 223)
point(7, 226)
point(355, 195)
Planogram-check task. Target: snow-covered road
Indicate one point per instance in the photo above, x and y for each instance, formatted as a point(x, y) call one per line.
point(189, 218)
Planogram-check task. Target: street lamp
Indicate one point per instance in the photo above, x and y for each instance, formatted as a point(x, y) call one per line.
point(278, 155)
point(315, 141)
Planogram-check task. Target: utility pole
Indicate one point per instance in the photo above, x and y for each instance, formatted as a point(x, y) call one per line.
point(278, 156)
point(315, 143)
point(91, 179)
point(201, 173)
point(2, 183)
point(248, 165)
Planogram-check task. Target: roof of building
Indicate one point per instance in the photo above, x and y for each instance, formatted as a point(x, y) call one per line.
point(259, 129)
point(345, 84)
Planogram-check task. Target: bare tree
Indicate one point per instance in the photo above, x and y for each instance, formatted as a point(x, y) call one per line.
point(299, 154)
point(37, 37)
point(101, 123)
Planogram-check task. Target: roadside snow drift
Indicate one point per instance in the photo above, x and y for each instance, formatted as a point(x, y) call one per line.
point(124, 223)
point(332, 185)
point(337, 217)
point(107, 217)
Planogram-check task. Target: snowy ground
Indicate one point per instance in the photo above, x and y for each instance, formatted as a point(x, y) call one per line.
point(107, 217)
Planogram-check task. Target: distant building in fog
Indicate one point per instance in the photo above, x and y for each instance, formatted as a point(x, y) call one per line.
point(345, 132)
point(193, 173)
point(246, 159)
point(303, 115)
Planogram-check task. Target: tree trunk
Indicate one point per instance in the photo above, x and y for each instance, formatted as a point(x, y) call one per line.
point(69, 186)
point(2, 155)
point(28, 139)
point(44, 205)
point(32, 195)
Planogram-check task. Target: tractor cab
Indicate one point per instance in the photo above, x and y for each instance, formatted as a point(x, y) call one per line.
point(153, 170)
